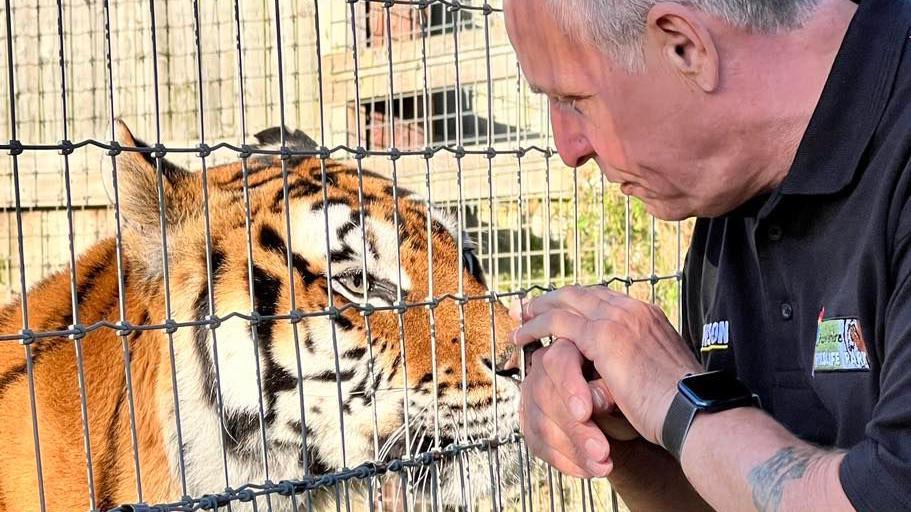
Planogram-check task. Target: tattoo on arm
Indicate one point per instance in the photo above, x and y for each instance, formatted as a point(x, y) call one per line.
point(769, 478)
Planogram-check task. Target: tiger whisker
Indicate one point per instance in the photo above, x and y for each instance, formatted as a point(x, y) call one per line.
point(400, 431)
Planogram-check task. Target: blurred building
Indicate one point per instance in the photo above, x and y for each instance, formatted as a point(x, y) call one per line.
point(408, 76)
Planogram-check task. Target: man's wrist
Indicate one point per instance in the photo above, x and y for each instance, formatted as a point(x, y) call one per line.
point(702, 393)
point(677, 422)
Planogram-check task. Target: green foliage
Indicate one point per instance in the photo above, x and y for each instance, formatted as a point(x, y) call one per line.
point(596, 235)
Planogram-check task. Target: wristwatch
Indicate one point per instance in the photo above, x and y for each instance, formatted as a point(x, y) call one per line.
point(702, 392)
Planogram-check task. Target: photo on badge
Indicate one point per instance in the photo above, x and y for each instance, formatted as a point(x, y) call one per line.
point(840, 345)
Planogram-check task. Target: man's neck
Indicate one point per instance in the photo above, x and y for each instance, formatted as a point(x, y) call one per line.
point(796, 66)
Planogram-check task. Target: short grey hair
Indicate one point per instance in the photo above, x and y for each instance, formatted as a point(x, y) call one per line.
point(617, 26)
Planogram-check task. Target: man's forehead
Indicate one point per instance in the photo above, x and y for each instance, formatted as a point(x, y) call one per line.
point(532, 33)
point(551, 63)
point(548, 70)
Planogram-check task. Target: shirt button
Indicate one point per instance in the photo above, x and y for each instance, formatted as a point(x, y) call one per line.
point(787, 312)
point(774, 233)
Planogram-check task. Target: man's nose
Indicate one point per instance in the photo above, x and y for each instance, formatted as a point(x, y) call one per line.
point(569, 137)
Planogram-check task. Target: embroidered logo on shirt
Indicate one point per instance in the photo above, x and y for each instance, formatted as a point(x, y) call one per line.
point(840, 345)
point(715, 336)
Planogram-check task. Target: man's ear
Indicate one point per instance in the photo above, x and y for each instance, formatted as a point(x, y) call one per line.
point(137, 184)
point(683, 40)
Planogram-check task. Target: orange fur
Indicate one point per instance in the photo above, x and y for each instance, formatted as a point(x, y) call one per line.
point(59, 419)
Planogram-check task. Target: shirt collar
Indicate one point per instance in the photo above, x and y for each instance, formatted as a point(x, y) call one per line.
point(853, 100)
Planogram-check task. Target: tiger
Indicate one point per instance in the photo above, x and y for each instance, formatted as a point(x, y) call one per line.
point(215, 376)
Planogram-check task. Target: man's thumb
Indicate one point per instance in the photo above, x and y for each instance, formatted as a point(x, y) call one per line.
point(602, 401)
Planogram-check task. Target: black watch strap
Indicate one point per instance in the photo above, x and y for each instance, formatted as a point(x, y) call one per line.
point(677, 424)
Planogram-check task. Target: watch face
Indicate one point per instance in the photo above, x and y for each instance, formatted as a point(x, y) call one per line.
point(713, 388)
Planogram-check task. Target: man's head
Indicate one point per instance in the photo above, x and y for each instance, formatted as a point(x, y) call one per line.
point(618, 26)
point(695, 106)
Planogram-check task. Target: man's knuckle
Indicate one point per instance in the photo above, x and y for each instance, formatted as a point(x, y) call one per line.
point(573, 293)
point(563, 320)
point(593, 303)
point(588, 325)
point(551, 358)
point(600, 328)
point(561, 347)
point(635, 307)
point(578, 433)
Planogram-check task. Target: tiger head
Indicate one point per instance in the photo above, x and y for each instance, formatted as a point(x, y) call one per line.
point(290, 300)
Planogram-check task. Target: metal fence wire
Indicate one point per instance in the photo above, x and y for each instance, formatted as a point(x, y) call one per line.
point(238, 316)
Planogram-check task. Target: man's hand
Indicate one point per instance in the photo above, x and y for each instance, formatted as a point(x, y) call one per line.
point(556, 413)
point(635, 349)
point(564, 418)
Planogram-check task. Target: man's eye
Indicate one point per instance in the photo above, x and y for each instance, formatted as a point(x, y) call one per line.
point(573, 105)
point(568, 104)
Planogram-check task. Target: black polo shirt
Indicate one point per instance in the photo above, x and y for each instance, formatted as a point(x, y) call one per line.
point(806, 292)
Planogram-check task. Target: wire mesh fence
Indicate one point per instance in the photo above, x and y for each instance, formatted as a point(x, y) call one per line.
point(237, 316)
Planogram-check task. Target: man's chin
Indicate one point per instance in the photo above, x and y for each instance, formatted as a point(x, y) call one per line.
point(666, 210)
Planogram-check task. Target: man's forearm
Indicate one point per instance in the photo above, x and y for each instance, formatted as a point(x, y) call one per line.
point(743, 460)
point(648, 478)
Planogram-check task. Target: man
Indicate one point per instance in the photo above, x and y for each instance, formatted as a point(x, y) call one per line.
point(785, 126)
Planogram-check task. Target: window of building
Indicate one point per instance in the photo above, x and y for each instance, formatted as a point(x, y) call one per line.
point(406, 113)
point(443, 21)
point(407, 23)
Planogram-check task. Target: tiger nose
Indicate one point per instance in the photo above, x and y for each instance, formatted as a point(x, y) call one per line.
point(513, 373)
point(507, 367)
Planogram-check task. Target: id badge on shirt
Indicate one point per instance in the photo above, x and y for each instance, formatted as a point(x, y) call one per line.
point(840, 345)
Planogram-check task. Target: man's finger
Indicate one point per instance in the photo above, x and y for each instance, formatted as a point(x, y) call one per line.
point(562, 362)
point(607, 416)
point(515, 309)
point(562, 463)
point(556, 323)
point(604, 293)
point(586, 301)
point(614, 301)
point(584, 445)
point(550, 398)
point(547, 398)
point(602, 400)
point(574, 298)
point(566, 466)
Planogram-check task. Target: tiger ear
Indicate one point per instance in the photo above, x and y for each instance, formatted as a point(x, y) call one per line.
point(294, 139)
point(137, 184)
